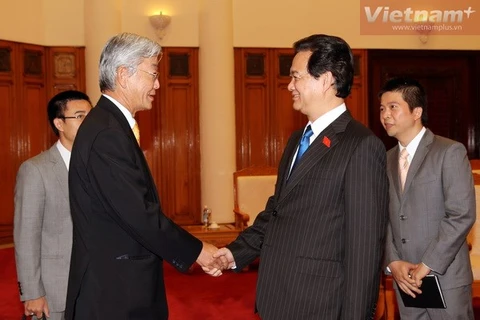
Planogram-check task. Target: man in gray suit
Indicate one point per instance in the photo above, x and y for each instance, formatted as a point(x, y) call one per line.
point(432, 205)
point(42, 223)
point(321, 237)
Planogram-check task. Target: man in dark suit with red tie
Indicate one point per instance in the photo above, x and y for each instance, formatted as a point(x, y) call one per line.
point(321, 236)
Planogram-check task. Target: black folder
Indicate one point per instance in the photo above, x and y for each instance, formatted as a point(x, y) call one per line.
point(431, 296)
point(44, 317)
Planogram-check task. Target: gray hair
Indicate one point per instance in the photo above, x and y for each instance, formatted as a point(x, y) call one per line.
point(124, 50)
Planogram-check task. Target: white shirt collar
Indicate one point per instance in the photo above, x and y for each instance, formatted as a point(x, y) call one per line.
point(64, 153)
point(325, 120)
point(321, 123)
point(413, 145)
point(126, 113)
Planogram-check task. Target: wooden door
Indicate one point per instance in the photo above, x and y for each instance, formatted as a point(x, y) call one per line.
point(9, 136)
point(264, 114)
point(23, 118)
point(171, 136)
point(252, 115)
point(25, 131)
point(33, 127)
point(357, 100)
point(65, 69)
point(285, 119)
point(264, 117)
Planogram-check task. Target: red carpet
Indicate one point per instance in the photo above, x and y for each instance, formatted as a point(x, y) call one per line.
point(10, 306)
point(190, 296)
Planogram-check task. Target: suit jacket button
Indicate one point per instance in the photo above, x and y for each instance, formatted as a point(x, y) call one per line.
point(404, 240)
point(274, 213)
point(402, 217)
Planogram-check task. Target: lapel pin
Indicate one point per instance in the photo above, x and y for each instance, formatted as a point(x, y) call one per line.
point(326, 141)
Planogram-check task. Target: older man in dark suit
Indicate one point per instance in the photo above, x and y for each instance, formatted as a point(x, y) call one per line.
point(320, 238)
point(121, 235)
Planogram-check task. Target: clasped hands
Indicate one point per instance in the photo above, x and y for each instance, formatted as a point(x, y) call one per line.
point(213, 260)
point(37, 307)
point(409, 276)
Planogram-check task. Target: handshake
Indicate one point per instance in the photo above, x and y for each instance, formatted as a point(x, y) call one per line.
point(214, 260)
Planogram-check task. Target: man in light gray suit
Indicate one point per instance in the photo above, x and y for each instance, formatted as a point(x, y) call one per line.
point(42, 223)
point(432, 212)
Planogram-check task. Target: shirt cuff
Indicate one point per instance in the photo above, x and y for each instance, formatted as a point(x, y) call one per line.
point(427, 266)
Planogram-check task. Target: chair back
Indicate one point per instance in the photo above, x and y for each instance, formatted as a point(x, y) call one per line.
point(473, 238)
point(475, 163)
point(252, 187)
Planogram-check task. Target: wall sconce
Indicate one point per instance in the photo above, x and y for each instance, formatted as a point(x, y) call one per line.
point(159, 22)
point(423, 29)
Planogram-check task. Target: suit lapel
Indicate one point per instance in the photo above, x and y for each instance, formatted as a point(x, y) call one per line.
point(284, 171)
point(323, 144)
point(59, 169)
point(289, 152)
point(420, 154)
point(394, 171)
point(108, 105)
point(105, 103)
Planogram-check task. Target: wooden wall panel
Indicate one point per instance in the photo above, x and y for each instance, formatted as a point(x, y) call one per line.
point(264, 115)
point(23, 114)
point(180, 154)
point(8, 142)
point(285, 119)
point(255, 128)
point(8, 158)
point(252, 119)
point(357, 101)
point(474, 132)
point(65, 69)
point(262, 99)
point(450, 81)
point(35, 135)
point(356, 105)
point(34, 123)
point(170, 136)
point(24, 136)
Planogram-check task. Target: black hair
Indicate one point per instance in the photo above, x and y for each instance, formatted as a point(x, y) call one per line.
point(412, 92)
point(329, 53)
point(57, 105)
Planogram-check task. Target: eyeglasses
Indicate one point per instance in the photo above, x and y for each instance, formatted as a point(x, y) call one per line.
point(79, 116)
point(153, 74)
